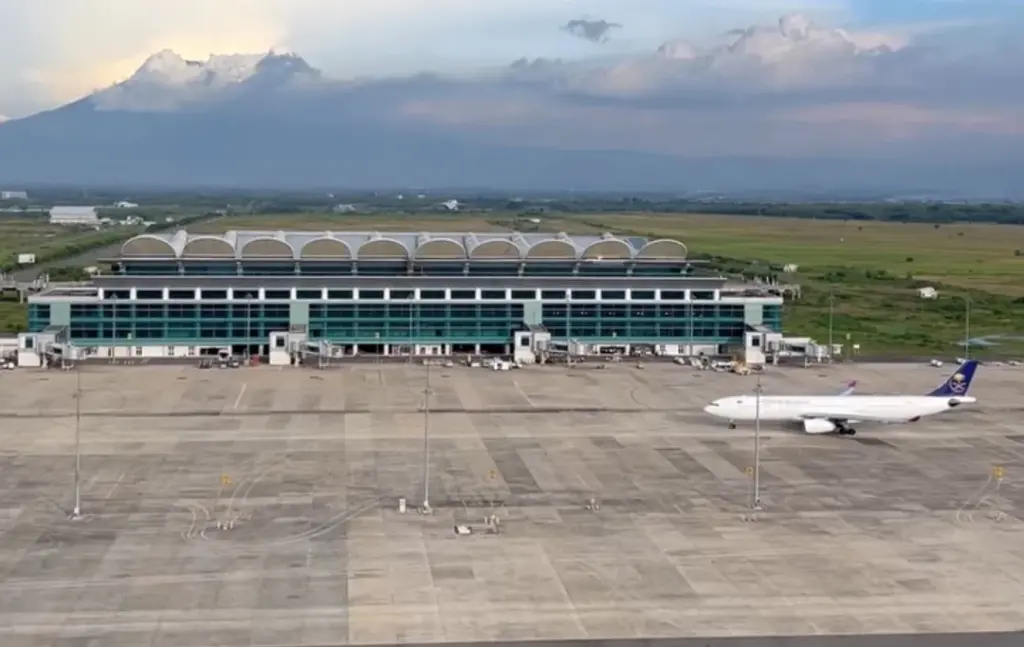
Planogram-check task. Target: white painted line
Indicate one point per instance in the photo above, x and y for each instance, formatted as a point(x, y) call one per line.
point(116, 483)
point(241, 392)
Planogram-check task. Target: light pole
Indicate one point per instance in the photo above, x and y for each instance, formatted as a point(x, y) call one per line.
point(248, 324)
point(755, 502)
point(967, 327)
point(77, 511)
point(426, 442)
point(412, 337)
point(113, 326)
point(831, 308)
point(689, 326)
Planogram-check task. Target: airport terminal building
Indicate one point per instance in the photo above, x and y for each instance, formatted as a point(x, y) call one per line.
point(187, 295)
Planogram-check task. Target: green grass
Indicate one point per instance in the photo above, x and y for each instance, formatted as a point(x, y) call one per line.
point(52, 242)
point(871, 270)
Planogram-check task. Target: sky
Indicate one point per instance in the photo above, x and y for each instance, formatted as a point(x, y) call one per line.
point(955, 69)
point(58, 50)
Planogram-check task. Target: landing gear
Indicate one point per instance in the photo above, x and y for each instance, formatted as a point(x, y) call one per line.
point(846, 431)
point(732, 425)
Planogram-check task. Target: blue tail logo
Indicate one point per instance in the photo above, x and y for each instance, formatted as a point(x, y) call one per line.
point(959, 382)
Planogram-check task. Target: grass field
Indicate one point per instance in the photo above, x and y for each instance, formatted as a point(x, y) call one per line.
point(19, 235)
point(868, 270)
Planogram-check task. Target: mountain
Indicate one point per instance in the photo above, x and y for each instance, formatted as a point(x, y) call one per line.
point(273, 120)
point(167, 81)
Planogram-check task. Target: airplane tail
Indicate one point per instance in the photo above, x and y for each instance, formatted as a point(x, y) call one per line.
point(959, 382)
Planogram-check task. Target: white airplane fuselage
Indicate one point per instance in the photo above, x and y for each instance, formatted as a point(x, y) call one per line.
point(890, 408)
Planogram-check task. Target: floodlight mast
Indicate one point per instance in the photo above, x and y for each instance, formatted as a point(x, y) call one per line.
point(77, 511)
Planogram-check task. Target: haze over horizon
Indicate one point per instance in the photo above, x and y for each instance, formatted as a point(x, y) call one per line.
point(917, 84)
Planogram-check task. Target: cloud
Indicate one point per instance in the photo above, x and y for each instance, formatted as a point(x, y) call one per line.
point(67, 48)
point(596, 31)
point(951, 90)
point(788, 88)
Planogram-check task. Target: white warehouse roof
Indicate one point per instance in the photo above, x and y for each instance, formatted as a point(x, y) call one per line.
point(73, 211)
point(372, 245)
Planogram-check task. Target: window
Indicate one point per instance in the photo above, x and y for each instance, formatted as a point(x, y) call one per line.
point(154, 295)
point(309, 295)
point(464, 294)
point(464, 312)
point(432, 294)
point(83, 310)
point(213, 312)
point(247, 310)
point(181, 295)
point(113, 295)
point(614, 312)
point(643, 295)
point(371, 294)
point(246, 295)
point(731, 311)
point(704, 312)
point(552, 294)
point(181, 311)
point(492, 295)
point(703, 295)
point(341, 311)
point(524, 341)
point(278, 341)
point(278, 294)
point(138, 351)
point(401, 294)
point(528, 295)
point(214, 294)
point(673, 295)
point(613, 295)
point(339, 294)
point(583, 294)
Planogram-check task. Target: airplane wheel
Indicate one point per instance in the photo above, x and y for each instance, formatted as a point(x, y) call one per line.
point(732, 425)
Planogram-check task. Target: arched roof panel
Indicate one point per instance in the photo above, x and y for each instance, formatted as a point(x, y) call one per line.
point(446, 249)
point(208, 247)
point(324, 248)
point(381, 248)
point(609, 249)
point(496, 249)
point(553, 249)
point(662, 249)
point(146, 245)
point(267, 248)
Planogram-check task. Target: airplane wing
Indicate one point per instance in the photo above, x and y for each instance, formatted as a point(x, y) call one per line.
point(850, 388)
point(838, 415)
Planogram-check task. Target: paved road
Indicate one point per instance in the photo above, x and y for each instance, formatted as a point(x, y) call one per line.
point(1013, 639)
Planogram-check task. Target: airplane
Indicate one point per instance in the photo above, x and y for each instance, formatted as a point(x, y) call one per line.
point(823, 414)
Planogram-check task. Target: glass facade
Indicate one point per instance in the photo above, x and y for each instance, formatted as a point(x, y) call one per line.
point(402, 320)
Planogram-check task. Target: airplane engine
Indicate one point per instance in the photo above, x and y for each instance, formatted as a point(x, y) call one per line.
point(819, 426)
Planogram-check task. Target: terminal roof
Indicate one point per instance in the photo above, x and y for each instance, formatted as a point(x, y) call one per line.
point(374, 245)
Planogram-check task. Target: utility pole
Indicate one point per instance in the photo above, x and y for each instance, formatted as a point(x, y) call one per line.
point(77, 511)
point(426, 442)
point(755, 502)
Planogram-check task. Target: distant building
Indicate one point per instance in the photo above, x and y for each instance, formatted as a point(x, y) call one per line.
point(125, 205)
point(13, 195)
point(927, 293)
point(74, 216)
